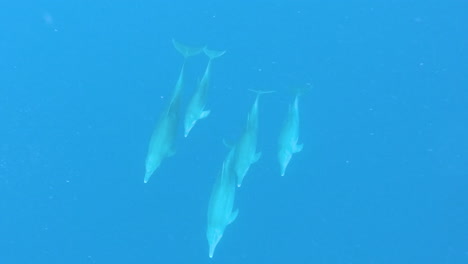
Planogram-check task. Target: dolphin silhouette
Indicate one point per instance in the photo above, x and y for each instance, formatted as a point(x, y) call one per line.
point(289, 136)
point(196, 107)
point(220, 207)
point(162, 142)
point(246, 149)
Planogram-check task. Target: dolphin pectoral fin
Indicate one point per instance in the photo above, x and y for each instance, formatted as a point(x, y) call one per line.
point(298, 148)
point(233, 216)
point(205, 113)
point(227, 144)
point(256, 157)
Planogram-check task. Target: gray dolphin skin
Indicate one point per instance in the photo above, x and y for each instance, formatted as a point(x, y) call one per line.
point(220, 207)
point(162, 142)
point(246, 149)
point(196, 107)
point(289, 136)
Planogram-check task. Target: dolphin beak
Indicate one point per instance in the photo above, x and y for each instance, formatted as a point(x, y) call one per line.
point(187, 131)
point(283, 171)
point(212, 249)
point(147, 177)
point(188, 128)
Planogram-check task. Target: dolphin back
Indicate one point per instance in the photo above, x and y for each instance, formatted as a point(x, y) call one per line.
point(221, 202)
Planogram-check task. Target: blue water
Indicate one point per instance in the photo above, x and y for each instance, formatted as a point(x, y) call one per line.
point(382, 177)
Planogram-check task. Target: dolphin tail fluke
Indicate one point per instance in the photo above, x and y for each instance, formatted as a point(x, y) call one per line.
point(300, 90)
point(213, 54)
point(259, 92)
point(298, 148)
point(233, 216)
point(185, 50)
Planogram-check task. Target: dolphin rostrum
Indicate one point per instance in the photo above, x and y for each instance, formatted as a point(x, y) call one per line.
point(246, 149)
point(196, 107)
point(289, 136)
point(220, 207)
point(162, 142)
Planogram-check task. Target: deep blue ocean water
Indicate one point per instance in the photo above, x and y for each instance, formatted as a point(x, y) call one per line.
point(384, 122)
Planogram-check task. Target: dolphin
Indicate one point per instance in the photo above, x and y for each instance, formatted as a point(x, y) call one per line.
point(289, 136)
point(245, 150)
point(162, 142)
point(220, 207)
point(196, 107)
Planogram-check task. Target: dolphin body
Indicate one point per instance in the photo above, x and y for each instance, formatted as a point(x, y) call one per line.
point(220, 207)
point(246, 149)
point(196, 107)
point(162, 142)
point(289, 136)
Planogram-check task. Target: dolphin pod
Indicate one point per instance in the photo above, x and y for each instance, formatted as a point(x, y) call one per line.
point(162, 142)
point(241, 156)
point(196, 107)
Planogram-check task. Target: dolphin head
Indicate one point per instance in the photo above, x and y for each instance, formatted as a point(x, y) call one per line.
point(151, 165)
point(213, 235)
point(190, 121)
point(241, 172)
point(284, 157)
